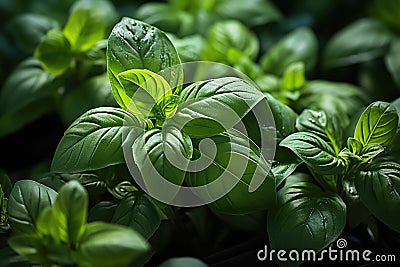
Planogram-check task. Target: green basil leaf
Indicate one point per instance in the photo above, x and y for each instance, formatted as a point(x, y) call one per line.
point(229, 35)
point(26, 94)
point(28, 38)
point(143, 91)
point(151, 152)
point(251, 13)
point(354, 145)
point(69, 211)
point(293, 77)
point(75, 102)
point(84, 28)
point(137, 45)
point(284, 164)
point(29, 246)
point(95, 140)
point(299, 45)
point(239, 160)
point(315, 152)
point(189, 47)
point(27, 199)
point(392, 60)
point(284, 117)
point(360, 41)
point(371, 151)
point(306, 217)
point(103, 211)
point(341, 99)
point(105, 8)
point(209, 107)
point(54, 52)
point(138, 212)
point(159, 15)
point(109, 245)
point(183, 262)
point(379, 189)
point(377, 124)
point(326, 126)
point(5, 183)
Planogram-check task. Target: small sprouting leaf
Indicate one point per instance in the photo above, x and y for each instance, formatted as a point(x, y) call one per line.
point(299, 45)
point(54, 52)
point(137, 45)
point(154, 150)
point(379, 189)
point(95, 140)
point(326, 126)
point(5, 183)
point(360, 41)
point(377, 124)
point(235, 163)
point(315, 152)
point(84, 28)
point(209, 107)
point(293, 78)
point(106, 245)
point(306, 217)
point(145, 93)
point(27, 199)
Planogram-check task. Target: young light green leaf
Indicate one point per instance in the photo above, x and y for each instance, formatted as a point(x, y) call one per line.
point(251, 12)
point(326, 126)
point(138, 212)
point(69, 211)
point(360, 41)
point(84, 28)
point(106, 245)
point(293, 77)
point(183, 262)
point(144, 91)
point(315, 152)
point(234, 163)
point(229, 35)
point(137, 45)
point(154, 150)
point(54, 52)
point(29, 246)
point(27, 199)
point(105, 8)
point(379, 189)
point(208, 108)
point(299, 45)
point(95, 140)
point(377, 124)
point(306, 217)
